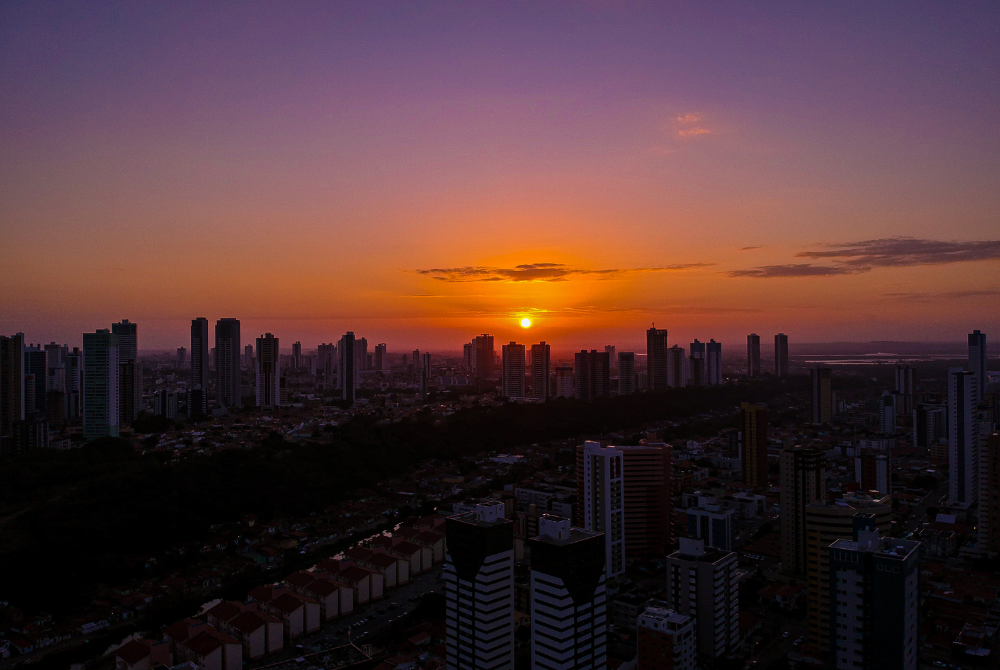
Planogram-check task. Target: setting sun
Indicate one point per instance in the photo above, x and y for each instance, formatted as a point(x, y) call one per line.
point(525, 322)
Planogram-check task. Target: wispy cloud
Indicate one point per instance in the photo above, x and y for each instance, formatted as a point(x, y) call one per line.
point(749, 248)
point(545, 272)
point(688, 118)
point(794, 270)
point(689, 132)
point(857, 257)
point(903, 251)
point(900, 296)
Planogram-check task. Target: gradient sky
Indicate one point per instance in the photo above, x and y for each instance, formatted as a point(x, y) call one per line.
point(422, 172)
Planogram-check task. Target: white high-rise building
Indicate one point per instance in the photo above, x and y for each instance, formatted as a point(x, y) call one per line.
point(626, 373)
point(513, 371)
point(565, 381)
point(268, 372)
point(568, 598)
point(963, 438)
point(479, 590)
point(704, 584)
point(604, 502)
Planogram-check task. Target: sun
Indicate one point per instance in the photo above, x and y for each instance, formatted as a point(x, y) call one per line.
point(525, 322)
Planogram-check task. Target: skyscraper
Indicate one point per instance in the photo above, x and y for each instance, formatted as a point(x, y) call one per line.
point(626, 373)
point(199, 367)
point(425, 375)
point(988, 525)
point(347, 368)
point(753, 429)
point(485, 355)
point(977, 358)
point(541, 385)
point(603, 504)
point(100, 384)
point(227, 363)
point(381, 357)
point(822, 395)
point(35, 373)
point(248, 357)
point(568, 599)
point(416, 363)
point(678, 367)
point(513, 371)
point(704, 584)
point(875, 612)
point(887, 413)
point(656, 359)
point(326, 364)
point(181, 357)
point(479, 590)
point(649, 501)
point(905, 388)
point(11, 386)
point(592, 375)
point(780, 355)
point(129, 377)
point(469, 356)
point(696, 364)
point(871, 472)
point(612, 355)
point(296, 355)
point(565, 381)
point(713, 363)
point(963, 437)
point(930, 425)
point(826, 523)
point(74, 383)
point(753, 355)
point(712, 524)
point(803, 482)
point(268, 372)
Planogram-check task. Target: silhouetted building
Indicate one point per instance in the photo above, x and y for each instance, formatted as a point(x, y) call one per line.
point(977, 358)
point(753, 427)
point(822, 395)
point(348, 375)
point(268, 372)
point(541, 386)
point(512, 378)
point(199, 366)
point(592, 375)
point(963, 437)
point(626, 373)
point(780, 355)
point(100, 384)
point(485, 355)
point(803, 482)
point(753, 355)
point(227, 363)
point(656, 359)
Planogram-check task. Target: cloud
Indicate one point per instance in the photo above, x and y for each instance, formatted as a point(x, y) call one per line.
point(688, 118)
point(794, 270)
point(533, 272)
point(690, 132)
point(749, 248)
point(904, 251)
point(950, 295)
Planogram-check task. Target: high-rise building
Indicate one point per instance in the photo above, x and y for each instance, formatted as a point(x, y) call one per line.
point(348, 376)
point(988, 525)
point(905, 388)
point(479, 590)
point(11, 386)
point(612, 355)
point(603, 504)
point(977, 358)
point(469, 356)
point(199, 367)
point(296, 355)
point(381, 357)
point(803, 482)
point(326, 364)
point(361, 353)
point(713, 363)
point(871, 472)
point(485, 355)
point(512, 380)
point(666, 639)
point(649, 502)
point(656, 359)
point(593, 375)
point(100, 384)
point(887, 413)
point(74, 383)
point(129, 377)
point(780, 355)
point(696, 364)
point(753, 355)
point(827, 522)
point(875, 610)
point(930, 425)
point(565, 381)
point(248, 357)
point(626, 373)
point(753, 429)
point(568, 598)
point(425, 376)
point(416, 363)
point(963, 438)
point(712, 524)
point(35, 374)
point(541, 387)
point(268, 372)
point(227, 363)
point(704, 584)
point(181, 357)
point(678, 367)
point(822, 395)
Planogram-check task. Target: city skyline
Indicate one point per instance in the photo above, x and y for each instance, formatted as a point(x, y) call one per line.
point(596, 169)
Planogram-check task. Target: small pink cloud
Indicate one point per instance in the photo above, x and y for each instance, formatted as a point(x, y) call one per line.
point(688, 118)
point(689, 132)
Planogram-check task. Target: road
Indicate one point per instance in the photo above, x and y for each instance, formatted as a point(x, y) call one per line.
point(364, 621)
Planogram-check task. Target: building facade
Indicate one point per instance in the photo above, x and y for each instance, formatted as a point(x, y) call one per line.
point(803, 482)
point(656, 359)
point(753, 355)
point(592, 375)
point(822, 395)
point(513, 374)
point(963, 438)
point(227, 363)
point(268, 372)
point(753, 433)
point(100, 384)
point(603, 504)
point(666, 639)
point(780, 355)
point(626, 372)
point(199, 367)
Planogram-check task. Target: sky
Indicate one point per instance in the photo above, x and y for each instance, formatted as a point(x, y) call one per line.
point(424, 172)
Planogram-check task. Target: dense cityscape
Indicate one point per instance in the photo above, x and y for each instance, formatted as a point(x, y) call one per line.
point(731, 511)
